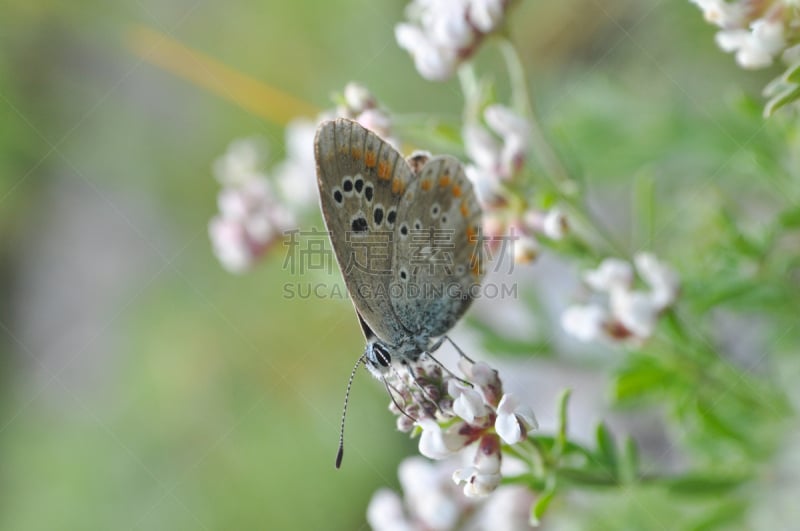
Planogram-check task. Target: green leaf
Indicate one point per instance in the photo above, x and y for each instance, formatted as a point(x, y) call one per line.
point(644, 199)
point(541, 505)
point(607, 449)
point(792, 75)
point(561, 434)
point(790, 218)
point(629, 462)
point(641, 376)
point(703, 484)
point(788, 95)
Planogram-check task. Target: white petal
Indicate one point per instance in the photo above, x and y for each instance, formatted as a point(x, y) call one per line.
point(636, 311)
point(662, 279)
point(555, 224)
point(467, 403)
point(385, 512)
point(612, 273)
point(584, 322)
point(487, 15)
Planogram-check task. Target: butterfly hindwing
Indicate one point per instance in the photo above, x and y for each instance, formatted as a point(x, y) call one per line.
point(438, 255)
point(361, 179)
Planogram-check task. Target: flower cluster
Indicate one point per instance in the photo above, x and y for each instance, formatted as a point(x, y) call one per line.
point(457, 416)
point(252, 218)
point(257, 207)
point(757, 31)
point(444, 33)
point(359, 104)
point(498, 152)
point(431, 502)
point(631, 314)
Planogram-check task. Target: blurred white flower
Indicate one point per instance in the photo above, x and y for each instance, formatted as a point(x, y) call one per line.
point(296, 175)
point(526, 249)
point(509, 509)
point(722, 13)
point(358, 98)
point(242, 161)
point(514, 420)
point(251, 218)
point(431, 502)
point(429, 494)
point(631, 314)
point(585, 322)
point(612, 273)
point(757, 47)
point(443, 33)
point(500, 153)
point(755, 31)
point(554, 224)
point(386, 512)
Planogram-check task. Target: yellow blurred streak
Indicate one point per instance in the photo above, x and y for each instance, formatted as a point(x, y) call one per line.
point(250, 94)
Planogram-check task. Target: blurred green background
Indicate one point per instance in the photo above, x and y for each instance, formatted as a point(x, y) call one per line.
point(143, 387)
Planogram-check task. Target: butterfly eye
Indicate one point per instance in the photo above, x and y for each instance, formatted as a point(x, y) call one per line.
point(380, 355)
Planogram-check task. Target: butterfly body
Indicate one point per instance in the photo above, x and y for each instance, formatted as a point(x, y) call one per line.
point(406, 235)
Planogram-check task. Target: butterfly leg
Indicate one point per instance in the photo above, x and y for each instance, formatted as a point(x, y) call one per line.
point(460, 352)
point(389, 389)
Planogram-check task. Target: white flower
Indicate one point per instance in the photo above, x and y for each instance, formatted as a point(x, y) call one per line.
point(723, 14)
point(443, 33)
point(755, 48)
point(467, 403)
point(485, 378)
point(435, 443)
point(481, 147)
point(635, 310)
point(662, 279)
point(358, 98)
point(296, 175)
point(612, 273)
point(484, 477)
point(555, 225)
point(432, 63)
point(509, 509)
point(242, 162)
point(526, 249)
point(385, 512)
point(428, 493)
point(487, 15)
point(516, 134)
point(514, 420)
point(584, 322)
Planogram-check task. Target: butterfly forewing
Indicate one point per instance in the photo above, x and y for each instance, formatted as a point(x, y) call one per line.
point(361, 179)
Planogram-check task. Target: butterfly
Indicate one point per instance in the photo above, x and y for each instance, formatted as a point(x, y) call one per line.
point(406, 235)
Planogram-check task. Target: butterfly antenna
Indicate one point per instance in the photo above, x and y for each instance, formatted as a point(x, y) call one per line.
point(460, 352)
point(340, 453)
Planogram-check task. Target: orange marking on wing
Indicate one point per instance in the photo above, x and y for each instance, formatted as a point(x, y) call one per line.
point(476, 268)
point(370, 159)
point(444, 180)
point(383, 170)
point(397, 186)
point(456, 190)
point(356, 153)
point(426, 184)
point(472, 235)
point(464, 209)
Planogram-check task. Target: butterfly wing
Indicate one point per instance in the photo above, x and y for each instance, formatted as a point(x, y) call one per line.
point(438, 255)
point(361, 180)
